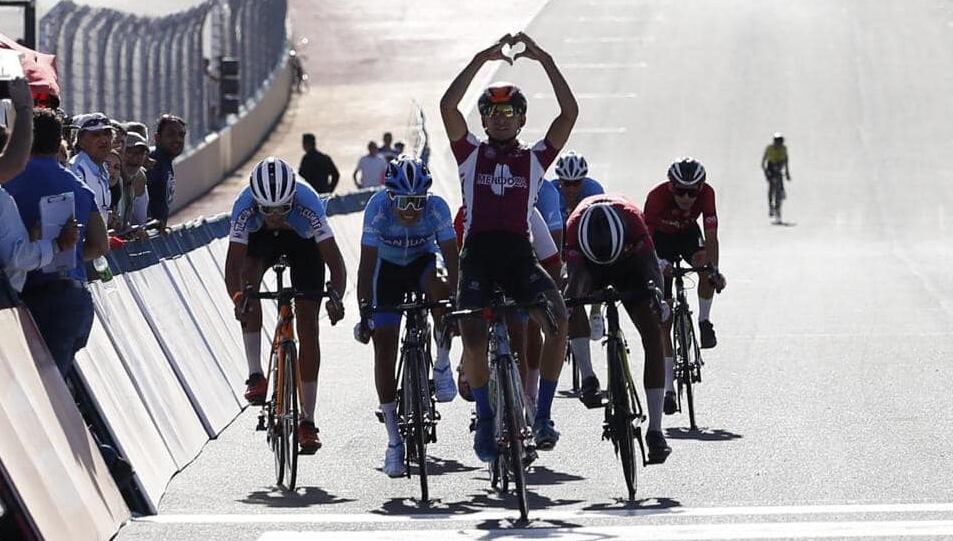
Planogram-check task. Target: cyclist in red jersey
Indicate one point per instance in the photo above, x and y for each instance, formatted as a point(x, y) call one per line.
point(671, 213)
point(500, 178)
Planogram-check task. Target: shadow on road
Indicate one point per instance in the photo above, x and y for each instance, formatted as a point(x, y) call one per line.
point(541, 475)
point(440, 466)
point(704, 434)
point(516, 529)
point(648, 504)
point(301, 497)
point(785, 224)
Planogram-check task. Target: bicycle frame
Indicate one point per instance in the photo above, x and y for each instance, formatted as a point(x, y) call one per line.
point(688, 358)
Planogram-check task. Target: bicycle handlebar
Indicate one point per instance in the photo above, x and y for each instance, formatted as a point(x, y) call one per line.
point(410, 306)
point(488, 312)
point(682, 271)
point(604, 296)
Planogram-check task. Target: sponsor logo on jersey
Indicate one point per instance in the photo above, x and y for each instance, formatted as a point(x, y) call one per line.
point(501, 180)
point(405, 242)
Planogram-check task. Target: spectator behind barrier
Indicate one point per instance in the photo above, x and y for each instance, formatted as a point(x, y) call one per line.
point(113, 165)
point(94, 142)
point(386, 150)
point(18, 253)
point(371, 166)
point(317, 168)
point(170, 141)
point(134, 205)
point(59, 301)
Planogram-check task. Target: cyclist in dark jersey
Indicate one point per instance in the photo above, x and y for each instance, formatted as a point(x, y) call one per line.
point(500, 179)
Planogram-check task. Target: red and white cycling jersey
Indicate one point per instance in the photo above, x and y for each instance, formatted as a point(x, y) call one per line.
point(638, 237)
point(663, 214)
point(500, 184)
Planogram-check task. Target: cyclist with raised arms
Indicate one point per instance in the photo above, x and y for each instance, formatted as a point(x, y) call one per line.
point(608, 243)
point(276, 215)
point(404, 228)
point(574, 184)
point(672, 210)
point(773, 163)
point(500, 179)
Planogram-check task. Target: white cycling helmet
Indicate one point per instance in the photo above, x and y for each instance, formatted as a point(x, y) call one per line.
point(602, 233)
point(687, 173)
point(572, 166)
point(272, 182)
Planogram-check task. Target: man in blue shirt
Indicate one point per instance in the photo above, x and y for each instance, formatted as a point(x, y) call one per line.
point(59, 301)
point(404, 228)
point(170, 141)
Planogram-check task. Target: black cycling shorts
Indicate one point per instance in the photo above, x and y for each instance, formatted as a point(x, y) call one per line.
point(624, 275)
point(682, 245)
point(392, 282)
point(304, 257)
point(503, 259)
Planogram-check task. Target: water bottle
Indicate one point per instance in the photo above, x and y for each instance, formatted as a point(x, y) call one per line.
point(102, 267)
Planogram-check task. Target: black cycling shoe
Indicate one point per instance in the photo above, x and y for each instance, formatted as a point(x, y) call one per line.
point(708, 334)
point(669, 405)
point(658, 447)
point(589, 394)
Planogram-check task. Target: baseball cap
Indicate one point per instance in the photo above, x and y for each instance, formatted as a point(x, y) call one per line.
point(92, 122)
point(133, 139)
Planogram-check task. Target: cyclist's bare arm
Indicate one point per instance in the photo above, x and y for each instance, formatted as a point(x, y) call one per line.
point(234, 262)
point(335, 262)
point(561, 127)
point(453, 120)
point(452, 259)
point(711, 246)
point(365, 275)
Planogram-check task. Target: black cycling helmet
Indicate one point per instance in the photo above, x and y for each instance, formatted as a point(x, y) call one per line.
point(687, 173)
point(602, 233)
point(502, 93)
point(778, 138)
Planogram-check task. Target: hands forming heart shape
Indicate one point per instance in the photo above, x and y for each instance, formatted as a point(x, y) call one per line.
point(510, 47)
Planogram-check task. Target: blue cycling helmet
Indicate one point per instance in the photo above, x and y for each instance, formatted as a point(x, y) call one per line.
point(407, 176)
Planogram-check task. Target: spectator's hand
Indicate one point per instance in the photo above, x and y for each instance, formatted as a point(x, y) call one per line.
point(149, 163)
point(495, 51)
point(68, 236)
point(20, 95)
point(532, 50)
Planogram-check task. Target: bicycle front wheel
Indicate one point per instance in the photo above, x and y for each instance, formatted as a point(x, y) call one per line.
point(685, 363)
point(420, 396)
point(289, 415)
point(621, 419)
point(514, 435)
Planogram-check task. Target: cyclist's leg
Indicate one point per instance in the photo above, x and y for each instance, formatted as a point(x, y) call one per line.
point(580, 334)
point(436, 286)
point(258, 257)
point(653, 376)
point(666, 247)
point(307, 274)
point(517, 325)
point(534, 350)
point(535, 281)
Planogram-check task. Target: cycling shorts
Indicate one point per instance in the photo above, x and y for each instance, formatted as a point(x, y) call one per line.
point(683, 245)
point(625, 275)
point(392, 282)
point(304, 257)
point(499, 258)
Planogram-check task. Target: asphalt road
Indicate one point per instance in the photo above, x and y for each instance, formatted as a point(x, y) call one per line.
point(825, 409)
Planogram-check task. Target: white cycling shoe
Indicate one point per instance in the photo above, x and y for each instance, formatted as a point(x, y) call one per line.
point(394, 465)
point(445, 389)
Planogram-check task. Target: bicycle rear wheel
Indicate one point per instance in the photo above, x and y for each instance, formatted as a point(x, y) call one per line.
point(514, 457)
point(289, 415)
point(621, 419)
point(419, 391)
point(685, 361)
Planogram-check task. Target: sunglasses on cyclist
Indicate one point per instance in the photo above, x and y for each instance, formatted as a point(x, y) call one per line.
point(280, 210)
point(504, 109)
point(685, 193)
point(409, 202)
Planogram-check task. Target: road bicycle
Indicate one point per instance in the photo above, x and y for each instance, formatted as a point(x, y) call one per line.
point(688, 357)
point(279, 415)
point(512, 426)
point(417, 415)
point(776, 194)
point(623, 409)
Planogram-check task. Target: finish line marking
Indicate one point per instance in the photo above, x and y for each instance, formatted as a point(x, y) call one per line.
point(774, 530)
point(549, 514)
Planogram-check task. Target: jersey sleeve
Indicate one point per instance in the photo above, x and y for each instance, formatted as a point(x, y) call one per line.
point(371, 235)
point(318, 219)
point(654, 207)
point(545, 153)
point(242, 213)
point(638, 232)
point(442, 222)
point(463, 148)
point(543, 243)
point(709, 215)
point(548, 205)
point(570, 238)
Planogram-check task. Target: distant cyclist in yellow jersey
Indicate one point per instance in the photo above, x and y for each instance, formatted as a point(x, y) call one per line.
point(773, 163)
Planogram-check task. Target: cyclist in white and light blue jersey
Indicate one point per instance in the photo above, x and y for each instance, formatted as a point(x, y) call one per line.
point(573, 184)
point(404, 226)
point(306, 216)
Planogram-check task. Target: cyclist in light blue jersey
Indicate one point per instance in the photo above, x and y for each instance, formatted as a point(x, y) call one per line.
point(274, 216)
point(404, 228)
point(574, 186)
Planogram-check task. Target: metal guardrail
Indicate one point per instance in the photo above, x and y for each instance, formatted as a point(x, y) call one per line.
point(137, 68)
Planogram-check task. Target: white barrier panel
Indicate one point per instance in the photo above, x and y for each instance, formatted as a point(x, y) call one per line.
point(126, 416)
point(149, 370)
point(184, 345)
point(227, 351)
point(46, 452)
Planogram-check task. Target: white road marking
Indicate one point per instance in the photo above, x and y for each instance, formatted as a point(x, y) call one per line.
point(610, 39)
point(773, 530)
point(578, 131)
point(603, 65)
point(549, 514)
point(589, 95)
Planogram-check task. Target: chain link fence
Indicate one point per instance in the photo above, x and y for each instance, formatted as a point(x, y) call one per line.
point(137, 68)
